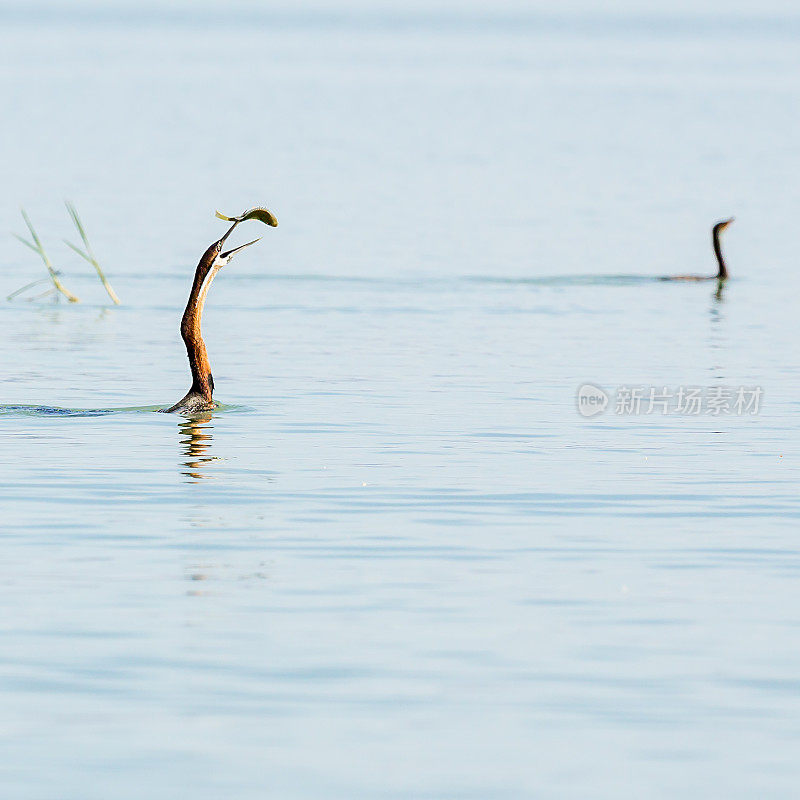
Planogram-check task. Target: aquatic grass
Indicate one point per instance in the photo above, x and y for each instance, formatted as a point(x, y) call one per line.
point(30, 286)
point(88, 254)
point(37, 247)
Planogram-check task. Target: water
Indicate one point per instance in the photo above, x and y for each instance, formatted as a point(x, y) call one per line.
point(397, 562)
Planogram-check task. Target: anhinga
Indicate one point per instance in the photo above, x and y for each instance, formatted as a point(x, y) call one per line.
point(199, 396)
point(722, 273)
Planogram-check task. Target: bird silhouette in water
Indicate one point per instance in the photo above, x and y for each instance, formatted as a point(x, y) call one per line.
point(722, 272)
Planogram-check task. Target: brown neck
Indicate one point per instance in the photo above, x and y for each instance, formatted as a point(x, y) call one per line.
point(202, 382)
point(723, 269)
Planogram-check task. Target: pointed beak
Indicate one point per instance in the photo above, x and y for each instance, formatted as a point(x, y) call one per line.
point(228, 233)
point(229, 253)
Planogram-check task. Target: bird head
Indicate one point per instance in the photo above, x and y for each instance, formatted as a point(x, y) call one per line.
point(215, 258)
point(220, 257)
point(720, 226)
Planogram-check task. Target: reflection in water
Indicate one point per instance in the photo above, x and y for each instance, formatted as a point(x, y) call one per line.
point(718, 339)
point(196, 440)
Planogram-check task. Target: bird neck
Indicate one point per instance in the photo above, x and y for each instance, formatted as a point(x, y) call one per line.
point(723, 269)
point(202, 382)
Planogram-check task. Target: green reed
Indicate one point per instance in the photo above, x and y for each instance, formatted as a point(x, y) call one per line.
point(37, 247)
point(88, 254)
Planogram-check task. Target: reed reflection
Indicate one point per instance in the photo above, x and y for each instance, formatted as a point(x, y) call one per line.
point(196, 438)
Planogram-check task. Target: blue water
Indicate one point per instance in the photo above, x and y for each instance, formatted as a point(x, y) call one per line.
point(397, 563)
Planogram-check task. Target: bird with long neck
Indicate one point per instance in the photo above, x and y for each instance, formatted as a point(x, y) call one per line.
point(722, 273)
point(200, 395)
point(715, 232)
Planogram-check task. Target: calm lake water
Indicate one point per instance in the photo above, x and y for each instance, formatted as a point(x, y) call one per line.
point(398, 563)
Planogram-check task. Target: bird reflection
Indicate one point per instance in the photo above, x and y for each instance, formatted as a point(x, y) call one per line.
point(196, 438)
point(718, 338)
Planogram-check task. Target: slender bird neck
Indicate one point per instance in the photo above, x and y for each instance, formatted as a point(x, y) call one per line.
point(723, 269)
point(202, 381)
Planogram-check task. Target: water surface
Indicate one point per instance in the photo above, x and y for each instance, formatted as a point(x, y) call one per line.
point(400, 564)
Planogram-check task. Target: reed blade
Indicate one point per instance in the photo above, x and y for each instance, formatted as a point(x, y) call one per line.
point(89, 254)
point(26, 287)
point(79, 252)
point(40, 296)
point(26, 242)
point(38, 247)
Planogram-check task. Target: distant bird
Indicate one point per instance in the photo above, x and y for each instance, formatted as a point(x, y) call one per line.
point(722, 274)
point(199, 396)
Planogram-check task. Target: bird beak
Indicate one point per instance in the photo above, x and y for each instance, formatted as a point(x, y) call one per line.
point(229, 253)
point(728, 221)
point(228, 233)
